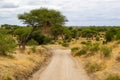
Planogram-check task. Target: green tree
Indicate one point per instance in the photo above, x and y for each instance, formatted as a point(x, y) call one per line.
point(21, 33)
point(57, 31)
point(41, 18)
point(67, 33)
point(75, 33)
point(88, 33)
point(110, 34)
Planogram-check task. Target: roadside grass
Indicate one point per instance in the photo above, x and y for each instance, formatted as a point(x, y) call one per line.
point(99, 59)
point(113, 77)
point(92, 67)
point(81, 52)
point(106, 51)
point(33, 49)
point(23, 64)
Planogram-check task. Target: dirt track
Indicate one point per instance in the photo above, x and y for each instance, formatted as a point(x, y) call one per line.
point(62, 67)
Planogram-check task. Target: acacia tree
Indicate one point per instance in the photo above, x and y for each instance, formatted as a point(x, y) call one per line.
point(88, 33)
point(57, 31)
point(41, 18)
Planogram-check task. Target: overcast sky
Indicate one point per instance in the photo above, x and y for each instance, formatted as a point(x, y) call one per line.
point(78, 12)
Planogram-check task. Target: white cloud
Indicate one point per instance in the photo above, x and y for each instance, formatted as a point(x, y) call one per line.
point(78, 12)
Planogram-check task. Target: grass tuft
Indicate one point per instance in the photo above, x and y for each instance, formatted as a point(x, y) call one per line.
point(93, 67)
point(113, 77)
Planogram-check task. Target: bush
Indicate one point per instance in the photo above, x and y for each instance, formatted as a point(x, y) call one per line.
point(4, 31)
point(75, 49)
point(22, 32)
point(91, 48)
point(81, 52)
point(7, 44)
point(65, 44)
point(86, 43)
point(41, 39)
point(59, 42)
point(93, 67)
point(106, 51)
point(110, 34)
point(47, 40)
point(113, 77)
point(83, 42)
point(94, 48)
point(32, 42)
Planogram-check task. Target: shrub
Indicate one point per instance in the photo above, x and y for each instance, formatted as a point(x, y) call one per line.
point(65, 44)
point(7, 44)
point(86, 43)
point(83, 42)
point(32, 42)
point(47, 40)
point(41, 39)
point(22, 32)
point(110, 34)
point(4, 31)
point(75, 49)
point(59, 42)
point(113, 77)
point(93, 67)
point(81, 52)
point(106, 51)
point(94, 47)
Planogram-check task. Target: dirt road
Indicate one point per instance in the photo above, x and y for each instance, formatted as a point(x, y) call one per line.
point(62, 67)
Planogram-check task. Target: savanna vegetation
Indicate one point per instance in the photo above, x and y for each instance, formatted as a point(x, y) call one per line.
point(97, 46)
point(99, 50)
point(20, 46)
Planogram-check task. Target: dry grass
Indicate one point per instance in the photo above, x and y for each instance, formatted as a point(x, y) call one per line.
point(21, 65)
point(99, 67)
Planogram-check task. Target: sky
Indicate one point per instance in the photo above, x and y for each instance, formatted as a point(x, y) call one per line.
point(78, 12)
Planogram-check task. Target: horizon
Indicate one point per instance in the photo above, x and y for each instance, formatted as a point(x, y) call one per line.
point(95, 13)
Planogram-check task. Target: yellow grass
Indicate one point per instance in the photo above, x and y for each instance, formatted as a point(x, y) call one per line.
point(22, 64)
point(111, 65)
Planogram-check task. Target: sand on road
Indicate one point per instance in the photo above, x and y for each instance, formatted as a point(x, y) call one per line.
point(62, 67)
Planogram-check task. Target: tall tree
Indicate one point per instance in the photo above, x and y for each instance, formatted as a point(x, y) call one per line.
point(57, 31)
point(41, 18)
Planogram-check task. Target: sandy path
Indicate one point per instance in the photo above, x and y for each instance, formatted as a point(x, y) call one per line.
point(62, 67)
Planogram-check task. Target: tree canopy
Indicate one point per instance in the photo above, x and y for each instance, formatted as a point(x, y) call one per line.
point(41, 18)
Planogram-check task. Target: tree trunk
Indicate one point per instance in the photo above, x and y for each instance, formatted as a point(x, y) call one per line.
point(23, 42)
